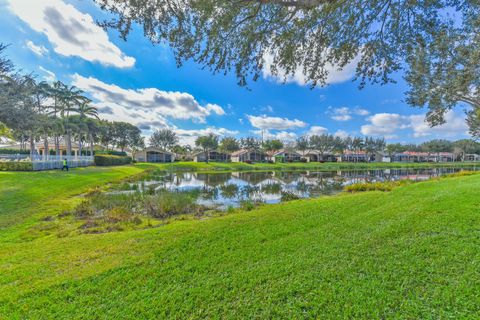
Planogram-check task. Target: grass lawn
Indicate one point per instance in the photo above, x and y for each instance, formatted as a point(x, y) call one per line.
point(410, 253)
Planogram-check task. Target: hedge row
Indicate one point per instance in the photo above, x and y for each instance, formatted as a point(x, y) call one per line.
point(16, 166)
point(110, 160)
point(111, 152)
point(14, 151)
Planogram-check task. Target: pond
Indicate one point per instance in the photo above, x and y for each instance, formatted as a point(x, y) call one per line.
point(230, 189)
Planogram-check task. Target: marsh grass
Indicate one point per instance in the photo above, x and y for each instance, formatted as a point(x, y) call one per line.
point(376, 186)
point(101, 212)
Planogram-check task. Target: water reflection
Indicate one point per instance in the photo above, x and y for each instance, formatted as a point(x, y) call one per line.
point(230, 188)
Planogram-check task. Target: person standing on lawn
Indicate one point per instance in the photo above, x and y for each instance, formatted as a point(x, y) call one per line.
point(65, 164)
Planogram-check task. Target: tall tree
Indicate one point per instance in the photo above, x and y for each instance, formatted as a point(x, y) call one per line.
point(85, 111)
point(164, 139)
point(322, 143)
point(70, 98)
point(302, 144)
point(272, 145)
point(250, 143)
point(6, 65)
point(229, 145)
point(473, 120)
point(126, 135)
point(207, 143)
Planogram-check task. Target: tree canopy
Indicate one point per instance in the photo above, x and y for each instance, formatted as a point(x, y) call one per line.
point(436, 42)
point(164, 139)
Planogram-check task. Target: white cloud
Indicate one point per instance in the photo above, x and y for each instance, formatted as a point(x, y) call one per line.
point(39, 50)
point(455, 125)
point(49, 75)
point(345, 113)
point(317, 130)
point(361, 112)
point(341, 133)
point(146, 104)
point(189, 136)
point(335, 75)
point(389, 125)
point(340, 114)
point(215, 108)
point(274, 123)
point(286, 136)
point(71, 32)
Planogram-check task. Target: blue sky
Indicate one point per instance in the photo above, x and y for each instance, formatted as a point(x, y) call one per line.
point(137, 82)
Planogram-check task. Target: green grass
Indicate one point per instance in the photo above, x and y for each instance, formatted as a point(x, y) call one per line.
point(410, 253)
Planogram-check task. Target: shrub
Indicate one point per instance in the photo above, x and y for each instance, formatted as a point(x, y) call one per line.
point(375, 186)
point(289, 196)
point(16, 166)
point(111, 160)
point(111, 152)
point(166, 204)
point(460, 174)
point(248, 205)
point(84, 209)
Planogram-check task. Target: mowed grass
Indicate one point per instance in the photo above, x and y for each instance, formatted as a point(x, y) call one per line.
point(410, 253)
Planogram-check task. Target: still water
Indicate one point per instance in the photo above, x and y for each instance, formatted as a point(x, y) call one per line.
point(231, 188)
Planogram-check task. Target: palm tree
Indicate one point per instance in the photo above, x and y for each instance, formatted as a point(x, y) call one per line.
point(70, 98)
point(86, 112)
point(55, 92)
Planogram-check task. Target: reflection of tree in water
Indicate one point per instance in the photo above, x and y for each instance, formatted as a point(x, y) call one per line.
point(214, 179)
point(229, 191)
point(209, 193)
point(249, 191)
point(320, 186)
point(272, 188)
point(303, 187)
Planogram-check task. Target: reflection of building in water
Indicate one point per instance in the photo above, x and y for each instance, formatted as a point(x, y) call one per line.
point(214, 179)
point(288, 176)
point(253, 177)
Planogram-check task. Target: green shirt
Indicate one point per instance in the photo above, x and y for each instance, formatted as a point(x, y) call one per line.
point(64, 162)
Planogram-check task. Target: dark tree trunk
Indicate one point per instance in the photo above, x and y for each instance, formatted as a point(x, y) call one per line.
point(32, 146)
point(57, 146)
point(69, 143)
point(91, 145)
point(46, 149)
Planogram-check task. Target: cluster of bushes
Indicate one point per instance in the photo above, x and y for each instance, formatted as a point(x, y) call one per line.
point(376, 186)
point(461, 174)
point(16, 166)
point(111, 160)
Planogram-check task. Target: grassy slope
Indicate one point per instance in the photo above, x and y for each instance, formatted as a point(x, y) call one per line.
point(411, 253)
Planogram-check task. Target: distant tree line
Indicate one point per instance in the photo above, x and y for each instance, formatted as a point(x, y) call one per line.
point(325, 143)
